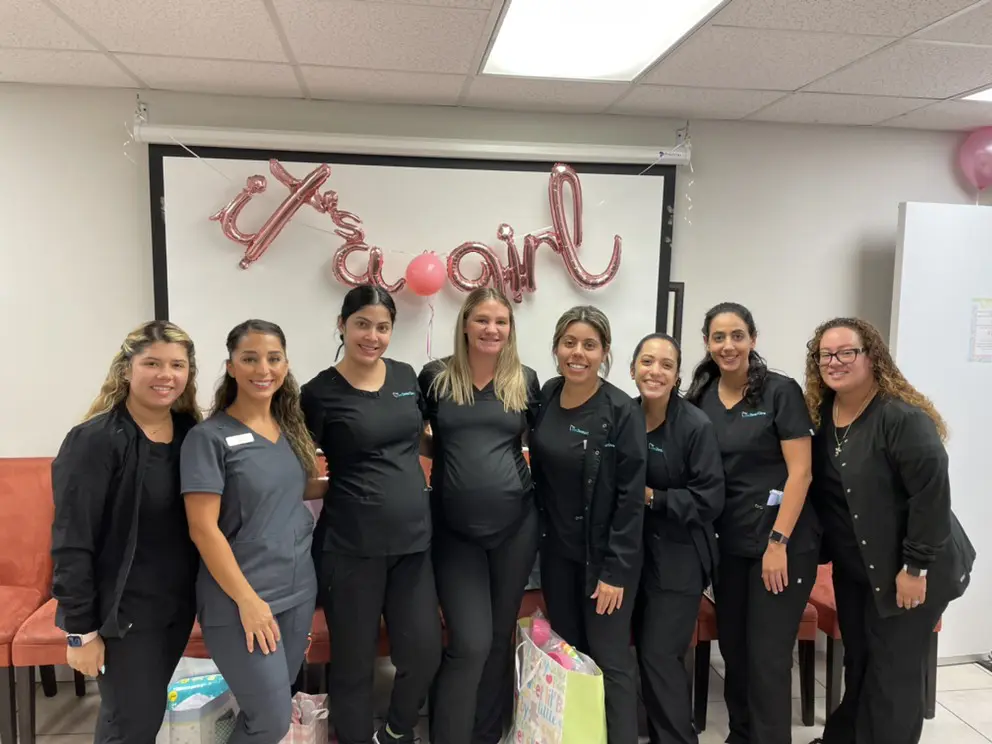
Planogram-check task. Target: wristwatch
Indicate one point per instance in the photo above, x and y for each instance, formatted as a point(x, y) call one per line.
point(914, 570)
point(778, 537)
point(75, 640)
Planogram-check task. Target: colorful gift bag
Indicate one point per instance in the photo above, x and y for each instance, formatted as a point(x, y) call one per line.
point(309, 722)
point(555, 705)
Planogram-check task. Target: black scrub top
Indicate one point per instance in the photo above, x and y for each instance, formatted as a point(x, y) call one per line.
point(480, 481)
point(160, 586)
point(750, 438)
point(827, 496)
point(560, 442)
point(377, 501)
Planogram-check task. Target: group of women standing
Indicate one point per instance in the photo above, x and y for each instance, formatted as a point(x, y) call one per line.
point(636, 504)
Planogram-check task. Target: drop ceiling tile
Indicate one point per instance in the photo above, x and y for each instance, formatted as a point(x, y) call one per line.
point(973, 26)
point(44, 67)
point(881, 17)
point(957, 116)
point(914, 69)
point(377, 86)
point(382, 36)
point(29, 23)
point(718, 57)
point(830, 108)
point(224, 77)
point(527, 94)
point(477, 4)
point(232, 29)
point(693, 103)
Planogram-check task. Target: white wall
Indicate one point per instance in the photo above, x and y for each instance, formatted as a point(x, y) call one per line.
point(797, 222)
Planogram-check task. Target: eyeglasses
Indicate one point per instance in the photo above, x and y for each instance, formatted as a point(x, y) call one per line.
point(844, 356)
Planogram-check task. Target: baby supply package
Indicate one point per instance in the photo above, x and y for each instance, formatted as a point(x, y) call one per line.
point(201, 710)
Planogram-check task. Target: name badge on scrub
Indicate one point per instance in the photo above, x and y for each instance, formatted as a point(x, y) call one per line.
point(774, 497)
point(237, 439)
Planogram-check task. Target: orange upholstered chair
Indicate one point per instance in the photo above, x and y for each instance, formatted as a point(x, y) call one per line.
point(26, 513)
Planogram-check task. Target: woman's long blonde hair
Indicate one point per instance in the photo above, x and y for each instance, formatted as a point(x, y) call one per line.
point(889, 379)
point(286, 409)
point(116, 387)
point(455, 378)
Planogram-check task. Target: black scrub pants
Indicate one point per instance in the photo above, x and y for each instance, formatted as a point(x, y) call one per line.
point(358, 592)
point(480, 590)
point(134, 688)
point(757, 633)
point(885, 662)
point(665, 619)
point(604, 638)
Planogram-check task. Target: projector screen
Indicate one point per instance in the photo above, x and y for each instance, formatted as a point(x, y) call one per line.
point(406, 206)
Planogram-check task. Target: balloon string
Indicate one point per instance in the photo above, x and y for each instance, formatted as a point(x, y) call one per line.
point(430, 331)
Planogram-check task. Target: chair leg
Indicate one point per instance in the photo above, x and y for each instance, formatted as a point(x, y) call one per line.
point(807, 680)
point(702, 685)
point(24, 682)
point(835, 672)
point(80, 683)
point(8, 720)
point(48, 683)
point(931, 680)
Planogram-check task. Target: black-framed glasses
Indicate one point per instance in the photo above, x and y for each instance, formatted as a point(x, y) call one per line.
point(844, 356)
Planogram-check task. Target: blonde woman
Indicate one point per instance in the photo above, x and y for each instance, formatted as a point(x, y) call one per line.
point(124, 566)
point(480, 403)
point(245, 473)
point(589, 454)
point(882, 492)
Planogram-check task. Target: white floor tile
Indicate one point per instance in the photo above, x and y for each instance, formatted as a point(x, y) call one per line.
point(963, 677)
point(947, 728)
point(974, 707)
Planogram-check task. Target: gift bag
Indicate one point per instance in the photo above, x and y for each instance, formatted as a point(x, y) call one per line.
point(559, 696)
point(309, 722)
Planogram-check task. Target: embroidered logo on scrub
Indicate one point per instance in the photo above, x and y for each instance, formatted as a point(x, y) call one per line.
point(577, 430)
point(752, 414)
point(655, 448)
point(404, 395)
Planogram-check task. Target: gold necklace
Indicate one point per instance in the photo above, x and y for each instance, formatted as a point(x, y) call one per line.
point(841, 442)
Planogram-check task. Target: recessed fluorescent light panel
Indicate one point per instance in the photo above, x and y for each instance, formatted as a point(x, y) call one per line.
point(982, 95)
point(590, 39)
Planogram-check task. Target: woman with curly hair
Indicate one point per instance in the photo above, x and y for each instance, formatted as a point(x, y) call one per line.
point(768, 537)
point(882, 492)
point(245, 473)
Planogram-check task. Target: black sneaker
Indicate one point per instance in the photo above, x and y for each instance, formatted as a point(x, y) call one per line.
point(384, 737)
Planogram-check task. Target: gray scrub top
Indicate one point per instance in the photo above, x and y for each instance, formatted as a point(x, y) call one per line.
point(262, 515)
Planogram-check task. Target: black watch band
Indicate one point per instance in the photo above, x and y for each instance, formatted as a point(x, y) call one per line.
point(778, 537)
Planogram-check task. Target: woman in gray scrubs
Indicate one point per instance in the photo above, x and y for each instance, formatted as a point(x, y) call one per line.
point(245, 473)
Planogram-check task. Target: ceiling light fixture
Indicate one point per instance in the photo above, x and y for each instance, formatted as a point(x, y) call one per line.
point(982, 95)
point(590, 39)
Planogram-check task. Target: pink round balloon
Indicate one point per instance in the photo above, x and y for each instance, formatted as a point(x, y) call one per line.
point(540, 631)
point(425, 274)
point(975, 158)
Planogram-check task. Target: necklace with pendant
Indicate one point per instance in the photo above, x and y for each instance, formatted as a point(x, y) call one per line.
point(841, 441)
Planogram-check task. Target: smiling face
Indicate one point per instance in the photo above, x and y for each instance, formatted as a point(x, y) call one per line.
point(366, 334)
point(259, 365)
point(843, 364)
point(729, 342)
point(158, 375)
point(656, 369)
point(487, 328)
point(580, 353)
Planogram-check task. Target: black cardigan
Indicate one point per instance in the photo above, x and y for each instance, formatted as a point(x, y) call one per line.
point(894, 471)
point(613, 485)
point(97, 479)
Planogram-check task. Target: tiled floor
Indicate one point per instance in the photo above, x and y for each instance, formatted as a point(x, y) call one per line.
point(964, 709)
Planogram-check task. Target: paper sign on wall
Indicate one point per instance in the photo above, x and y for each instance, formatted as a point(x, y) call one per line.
point(980, 349)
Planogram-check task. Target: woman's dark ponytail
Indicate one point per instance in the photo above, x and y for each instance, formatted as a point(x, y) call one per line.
point(704, 374)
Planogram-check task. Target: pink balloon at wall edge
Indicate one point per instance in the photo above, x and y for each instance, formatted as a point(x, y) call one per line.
point(425, 274)
point(975, 158)
point(301, 191)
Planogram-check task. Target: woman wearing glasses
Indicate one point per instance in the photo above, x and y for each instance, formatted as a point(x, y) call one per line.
point(882, 492)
